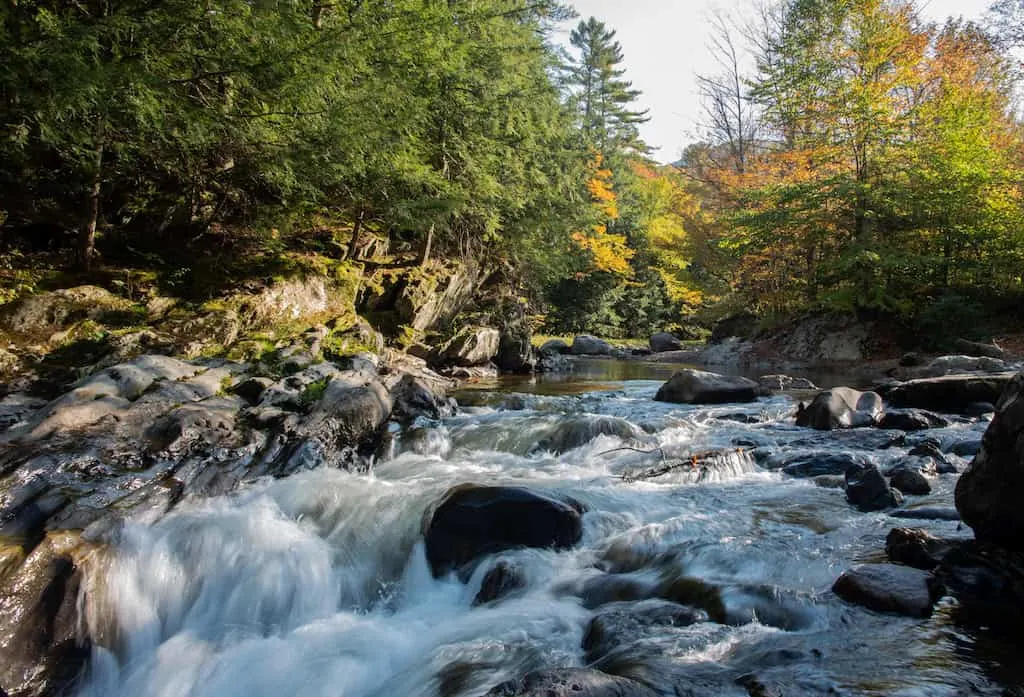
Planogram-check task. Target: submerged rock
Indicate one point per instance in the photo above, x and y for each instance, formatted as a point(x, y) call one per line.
point(867, 489)
point(911, 420)
point(473, 521)
point(988, 582)
point(989, 494)
point(574, 432)
point(926, 513)
point(888, 588)
point(699, 387)
point(571, 682)
point(619, 624)
point(817, 463)
point(840, 407)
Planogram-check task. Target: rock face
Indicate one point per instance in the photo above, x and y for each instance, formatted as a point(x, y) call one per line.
point(887, 588)
point(571, 682)
point(841, 407)
point(473, 346)
point(954, 393)
point(473, 521)
point(990, 492)
point(515, 353)
point(699, 387)
point(664, 341)
point(586, 345)
point(867, 489)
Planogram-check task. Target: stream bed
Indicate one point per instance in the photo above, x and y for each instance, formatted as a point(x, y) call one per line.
point(317, 585)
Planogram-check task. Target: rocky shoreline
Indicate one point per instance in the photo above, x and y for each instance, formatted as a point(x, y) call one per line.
point(134, 437)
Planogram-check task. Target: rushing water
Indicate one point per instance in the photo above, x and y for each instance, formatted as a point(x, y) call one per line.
point(317, 585)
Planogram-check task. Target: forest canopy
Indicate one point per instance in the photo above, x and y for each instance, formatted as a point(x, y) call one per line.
point(865, 161)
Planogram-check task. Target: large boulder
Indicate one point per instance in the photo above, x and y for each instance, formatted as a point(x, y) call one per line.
point(954, 365)
point(976, 348)
point(663, 341)
point(699, 387)
point(841, 407)
point(911, 420)
point(473, 521)
point(554, 346)
point(888, 588)
point(867, 489)
point(586, 345)
point(472, 346)
point(990, 492)
point(571, 682)
point(952, 393)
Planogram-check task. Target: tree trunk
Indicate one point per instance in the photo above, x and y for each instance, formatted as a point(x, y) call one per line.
point(87, 235)
point(425, 256)
point(356, 229)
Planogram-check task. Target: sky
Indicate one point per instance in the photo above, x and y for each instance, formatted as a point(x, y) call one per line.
point(664, 46)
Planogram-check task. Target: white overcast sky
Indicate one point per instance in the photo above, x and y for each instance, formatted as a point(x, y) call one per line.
point(664, 45)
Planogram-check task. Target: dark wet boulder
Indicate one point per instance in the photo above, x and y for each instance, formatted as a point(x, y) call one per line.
point(515, 353)
point(473, 521)
point(867, 489)
point(46, 645)
point(990, 492)
point(930, 451)
point(888, 588)
point(586, 345)
point(817, 463)
point(413, 398)
point(840, 407)
point(252, 389)
point(571, 682)
point(911, 420)
point(951, 394)
point(910, 481)
point(663, 341)
point(620, 624)
point(916, 548)
point(577, 431)
point(926, 513)
point(699, 387)
point(500, 580)
point(554, 346)
point(988, 583)
point(472, 346)
point(969, 447)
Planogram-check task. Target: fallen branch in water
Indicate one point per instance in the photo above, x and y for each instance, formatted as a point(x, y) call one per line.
point(698, 462)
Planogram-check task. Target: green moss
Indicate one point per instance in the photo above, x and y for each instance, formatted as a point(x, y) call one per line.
point(313, 393)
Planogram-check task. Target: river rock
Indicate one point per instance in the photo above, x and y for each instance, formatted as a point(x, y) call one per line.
point(817, 463)
point(784, 383)
point(556, 346)
point(990, 492)
point(473, 521)
point(976, 348)
point(501, 580)
point(515, 352)
point(414, 398)
point(574, 432)
point(867, 489)
point(916, 548)
point(954, 365)
point(664, 341)
point(690, 386)
point(621, 623)
point(969, 447)
point(926, 513)
point(988, 583)
point(586, 345)
point(472, 346)
point(887, 588)
point(840, 407)
point(910, 481)
point(911, 420)
point(571, 682)
point(951, 394)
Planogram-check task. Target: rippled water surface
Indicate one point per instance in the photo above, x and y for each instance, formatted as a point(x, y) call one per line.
point(317, 585)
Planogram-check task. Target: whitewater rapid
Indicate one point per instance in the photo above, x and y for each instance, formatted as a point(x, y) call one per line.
point(317, 585)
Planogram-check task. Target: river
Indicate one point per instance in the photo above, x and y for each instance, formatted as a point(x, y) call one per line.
point(317, 585)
